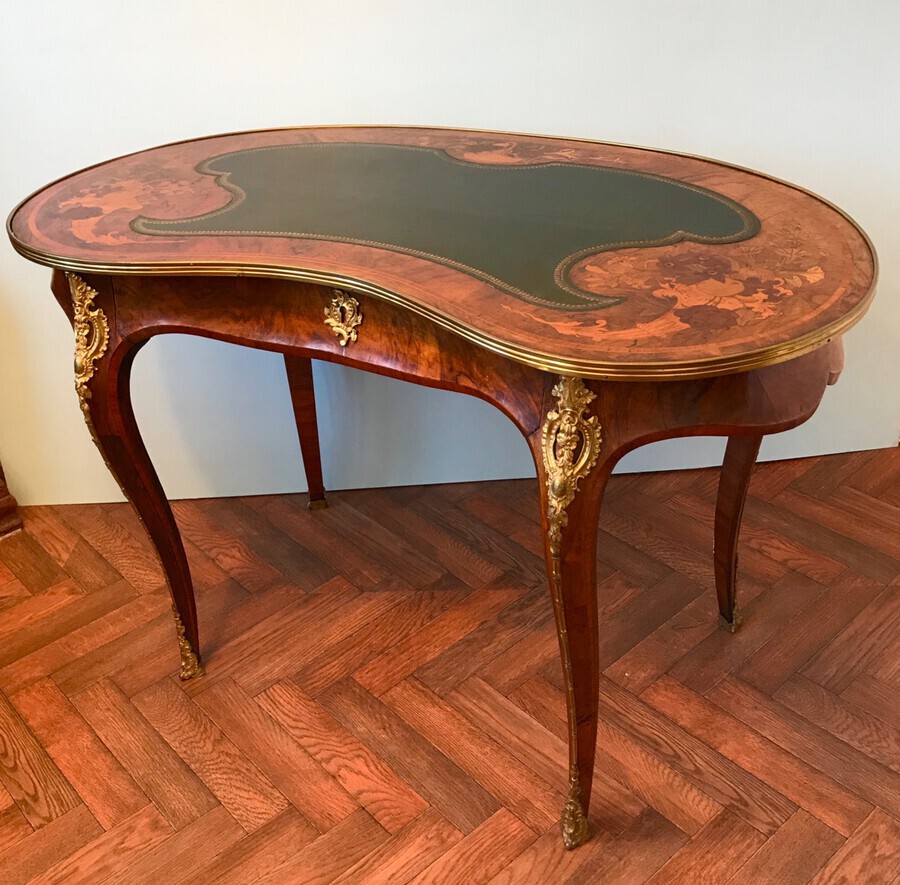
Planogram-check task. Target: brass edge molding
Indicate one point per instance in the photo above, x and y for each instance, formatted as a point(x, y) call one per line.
point(344, 317)
point(673, 370)
point(190, 660)
point(570, 446)
point(91, 338)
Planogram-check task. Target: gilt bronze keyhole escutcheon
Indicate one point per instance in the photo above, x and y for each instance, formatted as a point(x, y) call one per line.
point(344, 317)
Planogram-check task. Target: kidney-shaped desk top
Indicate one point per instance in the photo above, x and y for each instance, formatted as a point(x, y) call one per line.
point(585, 258)
point(602, 296)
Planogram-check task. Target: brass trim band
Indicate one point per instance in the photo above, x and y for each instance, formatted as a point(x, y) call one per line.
point(633, 371)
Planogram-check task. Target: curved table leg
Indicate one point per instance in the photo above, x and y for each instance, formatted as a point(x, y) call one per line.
point(10, 520)
point(562, 426)
point(734, 480)
point(571, 483)
point(102, 379)
point(303, 399)
point(574, 464)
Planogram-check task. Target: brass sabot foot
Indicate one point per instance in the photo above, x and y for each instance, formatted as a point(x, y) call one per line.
point(574, 824)
point(316, 504)
point(190, 666)
point(190, 660)
point(732, 625)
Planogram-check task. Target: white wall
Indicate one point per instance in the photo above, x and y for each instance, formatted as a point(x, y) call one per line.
point(808, 90)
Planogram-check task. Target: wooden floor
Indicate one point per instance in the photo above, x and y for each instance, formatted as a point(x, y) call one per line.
point(383, 697)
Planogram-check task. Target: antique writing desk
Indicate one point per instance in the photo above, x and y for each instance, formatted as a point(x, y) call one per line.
point(601, 296)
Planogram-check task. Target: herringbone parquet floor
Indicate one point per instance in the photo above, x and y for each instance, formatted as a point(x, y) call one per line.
point(383, 696)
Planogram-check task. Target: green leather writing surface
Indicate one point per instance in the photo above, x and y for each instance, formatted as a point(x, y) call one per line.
point(520, 227)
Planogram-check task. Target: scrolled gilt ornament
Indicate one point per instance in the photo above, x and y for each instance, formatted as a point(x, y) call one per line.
point(91, 337)
point(91, 343)
point(571, 445)
point(344, 317)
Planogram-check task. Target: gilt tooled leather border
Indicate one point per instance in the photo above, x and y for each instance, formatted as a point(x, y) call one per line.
point(561, 274)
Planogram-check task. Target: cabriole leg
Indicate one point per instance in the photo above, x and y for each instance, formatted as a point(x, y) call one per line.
point(572, 483)
point(734, 480)
point(303, 398)
point(10, 520)
point(102, 379)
